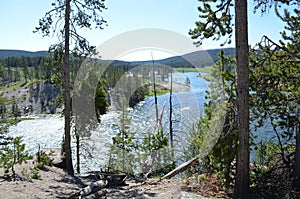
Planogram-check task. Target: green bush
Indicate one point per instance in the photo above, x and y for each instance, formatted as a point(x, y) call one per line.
point(43, 159)
point(35, 173)
point(13, 153)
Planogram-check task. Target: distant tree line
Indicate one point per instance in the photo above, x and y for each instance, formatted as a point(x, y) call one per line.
point(13, 69)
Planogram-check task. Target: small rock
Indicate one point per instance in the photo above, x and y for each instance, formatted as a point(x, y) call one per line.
point(189, 195)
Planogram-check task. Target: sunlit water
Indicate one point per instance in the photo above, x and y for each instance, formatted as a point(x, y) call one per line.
point(47, 130)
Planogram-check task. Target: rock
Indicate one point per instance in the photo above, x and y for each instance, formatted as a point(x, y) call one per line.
point(189, 195)
point(40, 96)
point(56, 156)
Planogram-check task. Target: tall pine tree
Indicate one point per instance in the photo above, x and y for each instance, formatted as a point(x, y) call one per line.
point(73, 14)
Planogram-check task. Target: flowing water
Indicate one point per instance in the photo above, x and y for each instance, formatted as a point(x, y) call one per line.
point(47, 130)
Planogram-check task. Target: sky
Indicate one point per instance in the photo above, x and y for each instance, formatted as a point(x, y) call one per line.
point(18, 18)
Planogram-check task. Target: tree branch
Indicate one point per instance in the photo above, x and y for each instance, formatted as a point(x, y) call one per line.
point(266, 38)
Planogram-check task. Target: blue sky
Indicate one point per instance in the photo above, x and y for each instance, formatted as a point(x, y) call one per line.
point(19, 17)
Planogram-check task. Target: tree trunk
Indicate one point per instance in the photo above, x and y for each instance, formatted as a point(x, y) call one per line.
point(77, 151)
point(170, 118)
point(297, 160)
point(67, 112)
point(154, 91)
point(242, 91)
point(184, 166)
point(92, 188)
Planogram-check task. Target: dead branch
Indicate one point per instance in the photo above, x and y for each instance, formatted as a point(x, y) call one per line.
point(184, 166)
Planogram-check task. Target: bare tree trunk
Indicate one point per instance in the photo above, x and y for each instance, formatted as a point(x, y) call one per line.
point(67, 112)
point(92, 188)
point(77, 150)
point(242, 78)
point(184, 166)
point(123, 139)
point(170, 118)
point(297, 160)
point(154, 90)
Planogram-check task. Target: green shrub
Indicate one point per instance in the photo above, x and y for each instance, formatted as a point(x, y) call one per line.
point(13, 153)
point(43, 159)
point(35, 173)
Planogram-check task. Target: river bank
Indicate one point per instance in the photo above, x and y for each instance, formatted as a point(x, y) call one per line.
point(39, 98)
point(165, 87)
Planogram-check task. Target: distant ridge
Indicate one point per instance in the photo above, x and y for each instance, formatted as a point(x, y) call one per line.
point(199, 58)
point(19, 53)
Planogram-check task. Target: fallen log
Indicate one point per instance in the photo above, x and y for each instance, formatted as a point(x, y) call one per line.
point(92, 188)
point(112, 177)
point(96, 195)
point(181, 168)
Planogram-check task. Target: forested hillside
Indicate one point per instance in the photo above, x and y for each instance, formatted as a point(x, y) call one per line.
point(199, 58)
point(20, 53)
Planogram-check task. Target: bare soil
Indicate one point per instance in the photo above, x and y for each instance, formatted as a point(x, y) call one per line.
point(54, 183)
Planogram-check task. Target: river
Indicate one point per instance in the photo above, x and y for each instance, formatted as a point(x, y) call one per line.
point(47, 130)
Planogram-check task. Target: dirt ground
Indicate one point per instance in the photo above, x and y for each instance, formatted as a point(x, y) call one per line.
point(54, 183)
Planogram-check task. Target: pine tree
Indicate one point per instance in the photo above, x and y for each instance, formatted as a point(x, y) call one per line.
point(12, 150)
point(85, 13)
point(89, 97)
point(122, 157)
point(242, 189)
point(221, 157)
point(101, 101)
point(218, 23)
point(275, 78)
